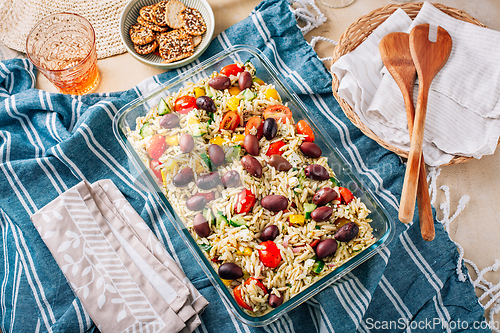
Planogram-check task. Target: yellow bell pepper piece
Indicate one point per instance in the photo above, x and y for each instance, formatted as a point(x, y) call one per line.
point(272, 93)
point(238, 138)
point(199, 91)
point(246, 252)
point(233, 102)
point(193, 120)
point(217, 140)
point(227, 282)
point(168, 166)
point(234, 90)
point(258, 81)
point(172, 140)
point(297, 219)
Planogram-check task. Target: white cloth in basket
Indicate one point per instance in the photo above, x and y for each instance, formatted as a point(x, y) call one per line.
point(463, 114)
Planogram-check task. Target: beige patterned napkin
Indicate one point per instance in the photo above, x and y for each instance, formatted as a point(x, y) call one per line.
point(121, 273)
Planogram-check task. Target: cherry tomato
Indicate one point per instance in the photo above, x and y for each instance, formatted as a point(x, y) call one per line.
point(255, 122)
point(239, 298)
point(270, 255)
point(232, 69)
point(246, 199)
point(314, 243)
point(274, 148)
point(230, 121)
point(346, 195)
point(258, 283)
point(305, 129)
point(152, 165)
point(184, 104)
point(278, 112)
point(208, 195)
point(156, 146)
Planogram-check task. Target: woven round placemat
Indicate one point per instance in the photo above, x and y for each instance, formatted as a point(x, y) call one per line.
point(358, 31)
point(18, 17)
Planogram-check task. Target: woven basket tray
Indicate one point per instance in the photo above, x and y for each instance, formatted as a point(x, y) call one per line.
point(358, 31)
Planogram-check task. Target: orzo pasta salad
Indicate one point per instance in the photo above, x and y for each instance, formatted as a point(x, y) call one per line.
point(251, 186)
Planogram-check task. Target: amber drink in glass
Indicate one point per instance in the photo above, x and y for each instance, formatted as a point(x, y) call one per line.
point(62, 47)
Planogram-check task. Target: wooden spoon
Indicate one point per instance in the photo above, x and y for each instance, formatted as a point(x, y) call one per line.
point(428, 57)
point(395, 52)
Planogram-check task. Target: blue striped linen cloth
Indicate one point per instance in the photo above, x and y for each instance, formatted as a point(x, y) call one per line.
point(50, 142)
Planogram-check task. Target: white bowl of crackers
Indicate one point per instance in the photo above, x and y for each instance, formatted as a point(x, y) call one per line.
point(168, 33)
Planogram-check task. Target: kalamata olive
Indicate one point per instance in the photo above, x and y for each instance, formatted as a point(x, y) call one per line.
point(274, 202)
point(317, 172)
point(206, 103)
point(220, 82)
point(270, 128)
point(251, 144)
point(321, 214)
point(275, 301)
point(347, 232)
point(186, 143)
point(184, 177)
point(170, 120)
point(325, 248)
point(196, 202)
point(324, 196)
point(216, 154)
point(245, 80)
point(200, 225)
point(231, 178)
point(230, 271)
point(252, 165)
point(279, 163)
point(208, 181)
point(310, 149)
point(269, 233)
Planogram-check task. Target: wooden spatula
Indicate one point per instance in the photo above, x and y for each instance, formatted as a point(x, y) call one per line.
point(395, 52)
point(428, 57)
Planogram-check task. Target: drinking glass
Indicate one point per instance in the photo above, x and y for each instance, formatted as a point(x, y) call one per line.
point(62, 47)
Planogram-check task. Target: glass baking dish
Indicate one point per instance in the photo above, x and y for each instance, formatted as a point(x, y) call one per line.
point(382, 224)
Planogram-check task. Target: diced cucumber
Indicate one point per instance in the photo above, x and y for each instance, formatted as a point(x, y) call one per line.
point(208, 92)
point(207, 214)
point(146, 130)
point(318, 266)
point(206, 160)
point(334, 181)
point(248, 95)
point(219, 219)
point(163, 107)
point(233, 153)
point(238, 221)
point(308, 208)
point(205, 247)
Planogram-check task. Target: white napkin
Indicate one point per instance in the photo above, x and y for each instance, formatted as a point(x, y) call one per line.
point(463, 115)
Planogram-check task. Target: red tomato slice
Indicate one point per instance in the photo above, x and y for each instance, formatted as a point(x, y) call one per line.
point(314, 243)
point(184, 104)
point(156, 146)
point(239, 298)
point(232, 69)
point(230, 121)
point(258, 283)
point(274, 148)
point(246, 199)
point(270, 255)
point(278, 112)
point(255, 122)
point(305, 129)
point(152, 165)
point(346, 195)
